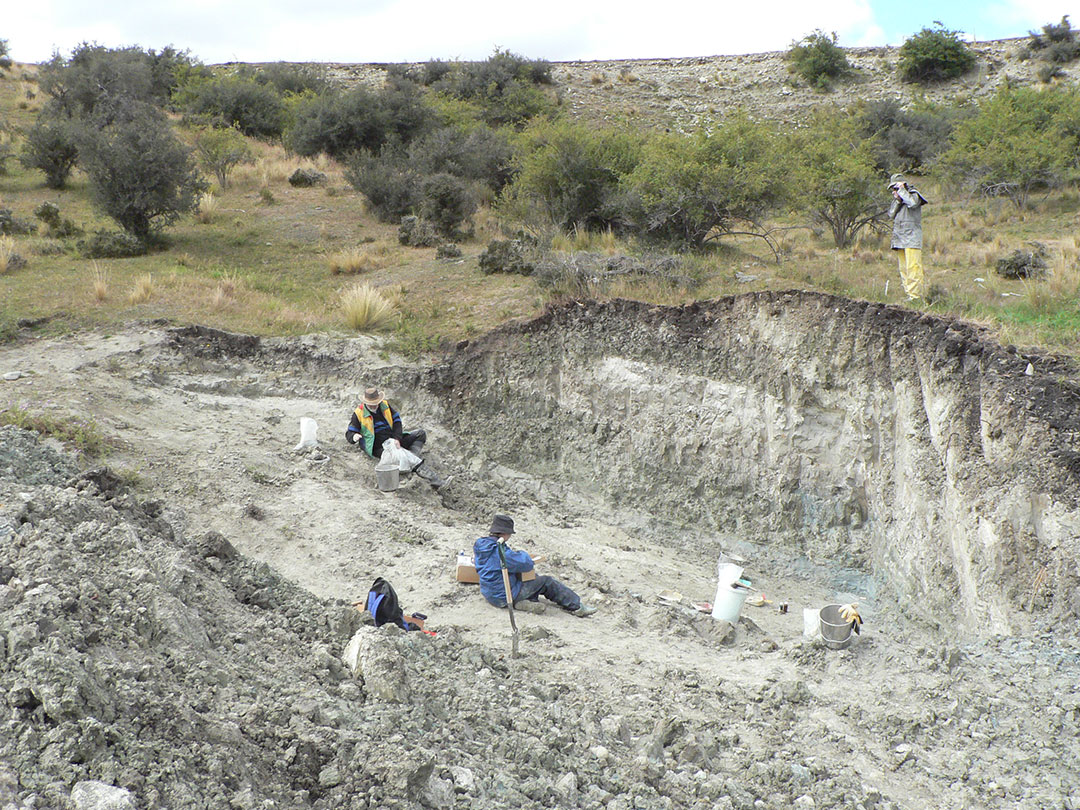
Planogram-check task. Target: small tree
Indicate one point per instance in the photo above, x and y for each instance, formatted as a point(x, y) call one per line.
point(934, 55)
point(818, 60)
point(140, 174)
point(691, 191)
point(220, 149)
point(839, 185)
point(255, 109)
point(5, 55)
point(51, 147)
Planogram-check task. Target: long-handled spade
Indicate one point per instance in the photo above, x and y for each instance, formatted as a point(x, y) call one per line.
point(509, 597)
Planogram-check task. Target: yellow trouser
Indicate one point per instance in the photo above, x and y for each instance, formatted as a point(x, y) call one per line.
point(911, 272)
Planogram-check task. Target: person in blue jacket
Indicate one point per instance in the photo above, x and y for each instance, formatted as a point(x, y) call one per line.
point(489, 570)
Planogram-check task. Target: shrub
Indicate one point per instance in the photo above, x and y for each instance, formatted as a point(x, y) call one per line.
point(447, 202)
point(1057, 43)
point(290, 78)
point(416, 232)
point(570, 174)
point(1021, 140)
point(140, 174)
point(504, 86)
point(58, 227)
point(448, 250)
point(112, 245)
point(52, 148)
point(817, 59)
point(366, 309)
point(907, 140)
point(391, 186)
point(95, 79)
point(481, 154)
point(220, 150)
point(688, 191)
point(343, 123)
point(231, 101)
point(5, 55)
point(1027, 264)
point(934, 55)
point(1048, 72)
point(508, 256)
point(10, 225)
point(305, 178)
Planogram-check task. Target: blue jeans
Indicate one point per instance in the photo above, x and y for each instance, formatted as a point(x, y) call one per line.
point(552, 589)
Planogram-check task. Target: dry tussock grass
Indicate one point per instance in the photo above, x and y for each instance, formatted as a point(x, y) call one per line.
point(363, 259)
point(7, 253)
point(143, 290)
point(100, 282)
point(207, 210)
point(365, 309)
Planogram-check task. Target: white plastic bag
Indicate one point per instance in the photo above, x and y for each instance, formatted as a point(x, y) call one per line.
point(405, 460)
point(308, 429)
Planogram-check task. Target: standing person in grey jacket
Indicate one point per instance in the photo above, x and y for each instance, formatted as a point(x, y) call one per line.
point(906, 214)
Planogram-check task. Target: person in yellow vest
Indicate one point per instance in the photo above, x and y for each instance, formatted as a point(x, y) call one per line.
point(906, 214)
point(374, 421)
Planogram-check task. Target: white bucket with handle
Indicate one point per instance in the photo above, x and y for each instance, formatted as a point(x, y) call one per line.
point(728, 602)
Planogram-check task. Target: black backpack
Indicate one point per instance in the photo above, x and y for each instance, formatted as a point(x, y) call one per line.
point(383, 605)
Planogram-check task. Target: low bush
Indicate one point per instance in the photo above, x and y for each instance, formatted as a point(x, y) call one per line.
point(112, 245)
point(10, 225)
point(479, 153)
point(506, 87)
point(305, 178)
point(58, 227)
point(391, 186)
point(509, 256)
point(818, 60)
point(448, 250)
point(1025, 264)
point(231, 101)
point(907, 140)
point(447, 203)
point(5, 55)
point(51, 146)
point(339, 124)
point(417, 232)
point(1057, 43)
point(934, 55)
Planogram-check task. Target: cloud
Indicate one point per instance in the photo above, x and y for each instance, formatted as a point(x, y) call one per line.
point(392, 30)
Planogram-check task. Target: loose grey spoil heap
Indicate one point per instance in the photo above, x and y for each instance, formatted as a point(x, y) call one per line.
point(185, 676)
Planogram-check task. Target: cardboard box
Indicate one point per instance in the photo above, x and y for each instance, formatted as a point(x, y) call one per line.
point(466, 572)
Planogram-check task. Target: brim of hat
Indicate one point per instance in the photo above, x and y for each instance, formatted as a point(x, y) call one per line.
point(372, 402)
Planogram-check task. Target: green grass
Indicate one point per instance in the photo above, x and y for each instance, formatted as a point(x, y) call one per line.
point(73, 432)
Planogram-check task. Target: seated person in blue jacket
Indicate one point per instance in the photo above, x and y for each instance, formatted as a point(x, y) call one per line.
point(375, 421)
point(489, 570)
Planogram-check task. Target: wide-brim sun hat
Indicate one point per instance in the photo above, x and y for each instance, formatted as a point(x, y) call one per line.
point(895, 179)
point(373, 397)
point(502, 524)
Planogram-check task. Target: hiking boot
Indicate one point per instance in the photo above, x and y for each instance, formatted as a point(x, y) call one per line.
point(584, 610)
point(529, 606)
point(433, 478)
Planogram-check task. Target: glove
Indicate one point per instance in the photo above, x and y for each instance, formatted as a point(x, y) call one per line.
point(850, 613)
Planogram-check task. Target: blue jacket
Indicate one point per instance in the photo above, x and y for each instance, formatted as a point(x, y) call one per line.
point(489, 569)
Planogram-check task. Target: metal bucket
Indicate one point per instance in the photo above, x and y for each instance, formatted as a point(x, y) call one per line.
point(387, 477)
point(835, 632)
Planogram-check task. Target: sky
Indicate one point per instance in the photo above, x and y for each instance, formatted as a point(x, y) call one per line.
point(216, 31)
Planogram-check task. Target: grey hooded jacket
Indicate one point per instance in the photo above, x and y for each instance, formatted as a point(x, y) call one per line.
point(906, 214)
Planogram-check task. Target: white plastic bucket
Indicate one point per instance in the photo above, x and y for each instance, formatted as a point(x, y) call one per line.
point(729, 600)
point(727, 605)
point(387, 477)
